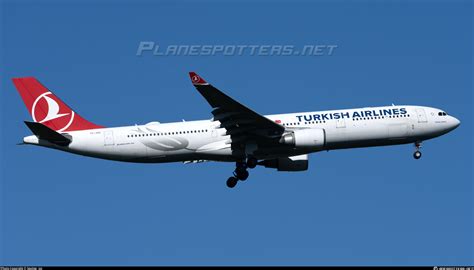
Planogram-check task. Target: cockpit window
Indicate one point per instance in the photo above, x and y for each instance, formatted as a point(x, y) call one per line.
point(442, 114)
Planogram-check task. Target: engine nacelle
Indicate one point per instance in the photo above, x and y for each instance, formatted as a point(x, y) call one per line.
point(288, 164)
point(311, 138)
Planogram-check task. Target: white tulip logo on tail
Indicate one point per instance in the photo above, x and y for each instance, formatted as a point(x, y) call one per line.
point(52, 111)
point(196, 79)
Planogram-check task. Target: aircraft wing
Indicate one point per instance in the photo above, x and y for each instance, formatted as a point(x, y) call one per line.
point(240, 122)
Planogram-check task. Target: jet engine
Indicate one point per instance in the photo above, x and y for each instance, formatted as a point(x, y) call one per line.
point(288, 164)
point(311, 138)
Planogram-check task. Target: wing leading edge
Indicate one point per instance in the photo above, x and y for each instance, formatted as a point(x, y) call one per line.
point(240, 122)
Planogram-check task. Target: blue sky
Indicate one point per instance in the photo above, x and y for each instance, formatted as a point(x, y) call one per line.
point(374, 206)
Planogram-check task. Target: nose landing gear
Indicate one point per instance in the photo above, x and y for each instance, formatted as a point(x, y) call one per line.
point(241, 173)
point(417, 154)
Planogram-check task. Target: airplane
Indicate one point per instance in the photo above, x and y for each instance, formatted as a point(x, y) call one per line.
point(235, 133)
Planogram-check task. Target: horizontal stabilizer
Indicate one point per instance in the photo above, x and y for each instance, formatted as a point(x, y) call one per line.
point(45, 133)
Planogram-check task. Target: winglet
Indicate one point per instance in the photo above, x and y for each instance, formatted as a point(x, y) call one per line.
point(196, 79)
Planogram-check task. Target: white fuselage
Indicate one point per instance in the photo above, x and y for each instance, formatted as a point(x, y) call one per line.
point(205, 140)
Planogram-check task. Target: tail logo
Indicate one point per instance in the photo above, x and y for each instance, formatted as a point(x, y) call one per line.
point(195, 79)
point(39, 115)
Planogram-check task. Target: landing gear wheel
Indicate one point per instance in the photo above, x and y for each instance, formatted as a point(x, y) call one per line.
point(417, 155)
point(252, 162)
point(242, 174)
point(231, 182)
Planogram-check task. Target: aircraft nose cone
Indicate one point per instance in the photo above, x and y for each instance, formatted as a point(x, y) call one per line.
point(454, 123)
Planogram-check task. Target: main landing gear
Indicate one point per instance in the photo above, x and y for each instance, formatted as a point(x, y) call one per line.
point(241, 173)
point(417, 154)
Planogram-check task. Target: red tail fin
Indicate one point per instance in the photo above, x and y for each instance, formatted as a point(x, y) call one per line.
point(48, 109)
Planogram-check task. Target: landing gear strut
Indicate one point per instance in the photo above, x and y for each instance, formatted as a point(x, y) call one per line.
point(241, 173)
point(417, 154)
